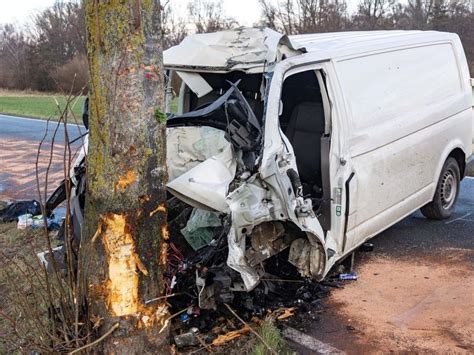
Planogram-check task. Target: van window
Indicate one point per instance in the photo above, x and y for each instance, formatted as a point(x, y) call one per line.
point(302, 121)
point(381, 87)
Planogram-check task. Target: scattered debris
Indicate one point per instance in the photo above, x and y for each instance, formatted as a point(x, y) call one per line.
point(225, 338)
point(28, 220)
point(59, 255)
point(348, 276)
point(288, 312)
point(366, 247)
point(199, 228)
point(15, 209)
point(187, 339)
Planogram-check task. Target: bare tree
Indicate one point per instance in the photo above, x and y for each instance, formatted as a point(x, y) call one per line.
point(304, 16)
point(209, 16)
point(419, 13)
point(57, 36)
point(124, 246)
point(174, 27)
point(13, 49)
point(374, 14)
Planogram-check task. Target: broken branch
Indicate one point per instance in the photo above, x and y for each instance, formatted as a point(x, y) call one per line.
point(110, 331)
point(251, 329)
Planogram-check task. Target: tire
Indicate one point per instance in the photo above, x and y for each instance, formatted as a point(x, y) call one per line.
point(447, 192)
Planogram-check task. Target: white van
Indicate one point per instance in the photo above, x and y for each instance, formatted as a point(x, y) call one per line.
point(315, 143)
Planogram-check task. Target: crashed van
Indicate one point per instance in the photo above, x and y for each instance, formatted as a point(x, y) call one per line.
point(312, 144)
point(285, 154)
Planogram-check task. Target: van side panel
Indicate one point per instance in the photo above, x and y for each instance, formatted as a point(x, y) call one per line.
point(399, 92)
point(406, 107)
point(397, 179)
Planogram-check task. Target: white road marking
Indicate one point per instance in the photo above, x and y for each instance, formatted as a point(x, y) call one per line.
point(309, 342)
point(460, 218)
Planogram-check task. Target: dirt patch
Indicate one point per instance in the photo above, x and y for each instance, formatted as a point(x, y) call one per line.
point(405, 305)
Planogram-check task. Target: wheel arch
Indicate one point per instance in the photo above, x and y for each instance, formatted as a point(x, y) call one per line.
point(460, 156)
point(455, 150)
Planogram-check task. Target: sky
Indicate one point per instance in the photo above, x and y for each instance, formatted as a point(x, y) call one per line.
point(20, 11)
point(247, 12)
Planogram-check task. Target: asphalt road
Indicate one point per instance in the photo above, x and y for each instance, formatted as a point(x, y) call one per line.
point(19, 141)
point(422, 235)
point(33, 129)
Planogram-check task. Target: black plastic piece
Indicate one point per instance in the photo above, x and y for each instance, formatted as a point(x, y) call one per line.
point(295, 181)
point(18, 208)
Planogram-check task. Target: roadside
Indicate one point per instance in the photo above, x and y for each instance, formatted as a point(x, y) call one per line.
point(37, 105)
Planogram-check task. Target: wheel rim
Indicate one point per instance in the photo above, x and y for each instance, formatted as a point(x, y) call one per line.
point(448, 189)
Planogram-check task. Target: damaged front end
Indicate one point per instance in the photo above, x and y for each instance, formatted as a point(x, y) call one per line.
point(237, 213)
point(232, 210)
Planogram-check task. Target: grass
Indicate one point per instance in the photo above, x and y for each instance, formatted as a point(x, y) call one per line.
point(37, 105)
point(272, 337)
point(18, 245)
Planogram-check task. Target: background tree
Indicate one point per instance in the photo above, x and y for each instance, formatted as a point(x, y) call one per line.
point(173, 27)
point(123, 248)
point(374, 14)
point(58, 35)
point(208, 16)
point(13, 58)
point(304, 16)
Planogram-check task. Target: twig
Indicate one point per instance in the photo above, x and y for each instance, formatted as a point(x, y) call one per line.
point(197, 350)
point(163, 297)
point(252, 330)
point(165, 324)
point(115, 326)
point(208, 348)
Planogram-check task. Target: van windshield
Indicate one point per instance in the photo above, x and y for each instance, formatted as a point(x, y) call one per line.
point(190, 91)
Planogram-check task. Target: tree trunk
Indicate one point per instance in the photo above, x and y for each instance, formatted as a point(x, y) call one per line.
point(124, 245)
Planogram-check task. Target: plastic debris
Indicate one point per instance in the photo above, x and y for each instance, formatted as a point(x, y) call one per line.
point(348, 276)
point(24, 221)
point(184, 317)
point(28, 220)
point(224, 338)
point(287, 313)
point(198, 232)
point(187, 339)
point(59, 255)
point(366, 247)
point(19, 208)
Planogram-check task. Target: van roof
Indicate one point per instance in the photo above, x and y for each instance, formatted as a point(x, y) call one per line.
point(252, 49)
point(335, 44)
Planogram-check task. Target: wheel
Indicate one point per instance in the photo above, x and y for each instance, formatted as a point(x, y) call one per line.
point(446, 194)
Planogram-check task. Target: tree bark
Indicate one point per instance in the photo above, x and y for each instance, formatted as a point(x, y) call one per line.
point(124, 244)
